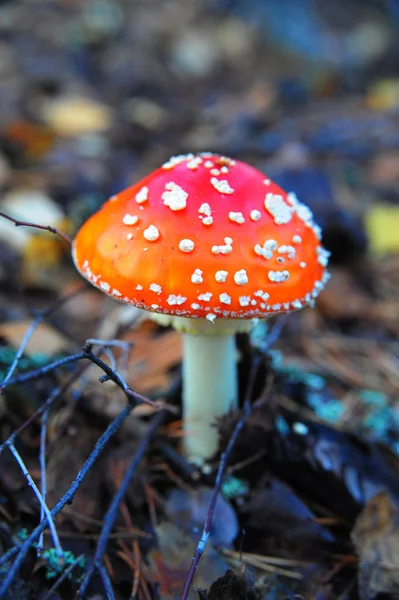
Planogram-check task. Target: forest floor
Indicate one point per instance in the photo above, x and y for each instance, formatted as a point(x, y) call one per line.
point(93, 96)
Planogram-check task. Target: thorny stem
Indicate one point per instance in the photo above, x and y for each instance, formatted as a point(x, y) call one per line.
point(112, 512)
point(19, 223)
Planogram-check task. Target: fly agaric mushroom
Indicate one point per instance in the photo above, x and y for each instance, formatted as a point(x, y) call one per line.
point(210, 245)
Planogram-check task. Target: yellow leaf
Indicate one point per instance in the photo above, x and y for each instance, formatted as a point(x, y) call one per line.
point(382, 225)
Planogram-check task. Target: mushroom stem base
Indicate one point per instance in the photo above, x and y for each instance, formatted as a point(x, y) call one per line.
point(210, 389)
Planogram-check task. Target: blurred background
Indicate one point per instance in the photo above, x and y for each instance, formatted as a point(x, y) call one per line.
point(96, 93)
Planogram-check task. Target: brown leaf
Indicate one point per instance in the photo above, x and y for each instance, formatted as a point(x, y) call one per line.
point(376, 538)
point(66, 458)
point(343, 285)
point(168, 564)
point(278, 522)
point(153, 356)
point(117, 462)
point(384, 169)
point(45, 340)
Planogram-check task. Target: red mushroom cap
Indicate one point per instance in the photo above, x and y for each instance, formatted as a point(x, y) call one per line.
point(204, 236)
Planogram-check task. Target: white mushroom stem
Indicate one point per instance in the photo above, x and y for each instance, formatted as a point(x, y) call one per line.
point(210, 389)
point(210, 380)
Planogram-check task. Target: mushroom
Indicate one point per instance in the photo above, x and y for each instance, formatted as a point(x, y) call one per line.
point(209, 245)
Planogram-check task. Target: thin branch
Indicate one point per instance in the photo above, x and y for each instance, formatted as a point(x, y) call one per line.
point(32, 328)
point(31, 483)
point(19, 223)
point(112, 375)
point(37, 373)
point(29, 332)
point(106, 344)
point(218, 482)
point(275, 331)
point(20, 551)
point(46, 406)
point(42, 462)
point(76, 393)
point(116, 343)
point(106, 580)
point(118, 535)
point(113, 509)
point(120, 382)
point(110, 355)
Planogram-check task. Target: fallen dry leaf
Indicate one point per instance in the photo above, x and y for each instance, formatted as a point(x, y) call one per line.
point(168, 564)
point(45, 339)
point(66, 458)
point(118, 461)
point(376, 538)
point(154, 354)
point(356, 304)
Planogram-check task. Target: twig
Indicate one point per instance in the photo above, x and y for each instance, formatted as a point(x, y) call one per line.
point(110, 355)
point(106, 581)
point(29, 332)
point(247, 461)
point(271, 560)
point(112, 375)
point(19, 223)
point(267, 567)
point(218, 482)
point(137, 569)
point(46, 406)
point(37, 373)
point(120, 382)
point(133, 558)
point(42, 462)
point(106, 344)
point(125, 346)
point(113, 509)
point(275, 331)
point(134, 398)
point(177, 460)
point(22, 550)
point(32, 328)
point(124, 531)
point(270, 339)
point(124, 535)
point(43, 504)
